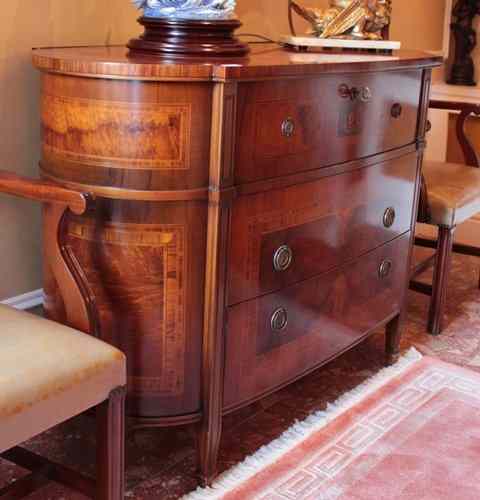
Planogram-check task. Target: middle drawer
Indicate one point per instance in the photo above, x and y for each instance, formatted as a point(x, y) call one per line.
point(288, 235)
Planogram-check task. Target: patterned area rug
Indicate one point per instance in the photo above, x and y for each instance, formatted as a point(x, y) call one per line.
point(412, 431)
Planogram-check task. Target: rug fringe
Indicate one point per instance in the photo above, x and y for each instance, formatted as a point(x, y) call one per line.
point(299, 432)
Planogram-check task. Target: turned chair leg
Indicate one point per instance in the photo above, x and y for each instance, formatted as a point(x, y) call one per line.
point(111, 447)
point(440, 279)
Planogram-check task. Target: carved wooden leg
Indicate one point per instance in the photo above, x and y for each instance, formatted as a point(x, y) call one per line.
point(392, 342)
point(111, 447)
point(440, 279)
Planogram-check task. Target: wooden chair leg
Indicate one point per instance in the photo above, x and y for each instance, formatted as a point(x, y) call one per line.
point(111, 447)
point(440, 279)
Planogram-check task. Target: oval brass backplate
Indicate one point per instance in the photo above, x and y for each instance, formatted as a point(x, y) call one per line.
point(385, 268)
point(279, 320)
point(389, 217)
point(282, 259)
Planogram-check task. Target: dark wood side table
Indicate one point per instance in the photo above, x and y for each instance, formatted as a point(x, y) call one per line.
point(253, 219)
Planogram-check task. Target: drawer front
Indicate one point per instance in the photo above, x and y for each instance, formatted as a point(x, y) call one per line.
point(288, 235)
point(292, 126)
point(274, 339)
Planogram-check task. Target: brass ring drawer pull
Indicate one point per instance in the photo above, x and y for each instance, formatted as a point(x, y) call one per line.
point(288, 127)
point(385, 269)
point(279, 320)
point(389, 217)
point(364, 93)
point(397, 110)
point(283, 258)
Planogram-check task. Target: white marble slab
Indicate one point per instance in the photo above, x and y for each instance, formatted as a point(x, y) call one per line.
point(336, 43)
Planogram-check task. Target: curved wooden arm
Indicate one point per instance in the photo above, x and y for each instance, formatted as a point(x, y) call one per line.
point(58, 201)
point(466, 109)
point(43, 191)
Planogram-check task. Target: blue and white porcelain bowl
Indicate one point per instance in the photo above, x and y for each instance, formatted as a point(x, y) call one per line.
point(187, 9)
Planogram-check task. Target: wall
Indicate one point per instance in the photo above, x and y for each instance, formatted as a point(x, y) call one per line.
point(26, 24)
point(419, 27)
point(34, 23)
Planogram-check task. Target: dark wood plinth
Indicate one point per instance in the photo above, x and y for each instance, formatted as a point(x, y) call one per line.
point(182, 38)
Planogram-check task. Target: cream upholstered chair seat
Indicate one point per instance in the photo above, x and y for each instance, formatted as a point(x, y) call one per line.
point(453, 192)
point(48, 373)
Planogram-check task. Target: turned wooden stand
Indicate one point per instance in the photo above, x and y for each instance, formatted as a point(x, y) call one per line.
point(253, 220)
point(177, 39)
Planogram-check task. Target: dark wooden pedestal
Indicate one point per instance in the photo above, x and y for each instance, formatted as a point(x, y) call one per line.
point(184, 39)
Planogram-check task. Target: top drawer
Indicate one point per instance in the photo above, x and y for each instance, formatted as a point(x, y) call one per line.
point(291, 126)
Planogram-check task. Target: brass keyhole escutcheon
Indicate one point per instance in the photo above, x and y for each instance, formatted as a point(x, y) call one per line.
point(389, 217)
point(385, 269)
point(397, 110)
point(288, 127)
point(279, 320)
point(282, 259)
point(344, 91)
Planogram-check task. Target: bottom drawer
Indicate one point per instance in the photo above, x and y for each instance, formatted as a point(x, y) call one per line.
point(276, 338)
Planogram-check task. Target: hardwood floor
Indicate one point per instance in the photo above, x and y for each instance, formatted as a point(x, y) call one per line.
point(161, 463)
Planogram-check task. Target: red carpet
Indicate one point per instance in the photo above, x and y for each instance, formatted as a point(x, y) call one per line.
point(417, 436)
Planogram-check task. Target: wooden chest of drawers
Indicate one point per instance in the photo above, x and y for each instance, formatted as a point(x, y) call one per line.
point(252, 220)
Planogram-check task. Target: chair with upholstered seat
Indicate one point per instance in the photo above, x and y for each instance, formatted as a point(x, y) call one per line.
point(50, 373)
point(451, 196)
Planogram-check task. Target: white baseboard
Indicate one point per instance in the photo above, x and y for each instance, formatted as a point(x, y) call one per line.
point(25, 301)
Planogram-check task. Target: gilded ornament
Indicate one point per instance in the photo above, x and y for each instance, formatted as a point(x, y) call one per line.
point(348, 19)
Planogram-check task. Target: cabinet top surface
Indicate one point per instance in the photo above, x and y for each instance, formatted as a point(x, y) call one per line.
point(264, 62)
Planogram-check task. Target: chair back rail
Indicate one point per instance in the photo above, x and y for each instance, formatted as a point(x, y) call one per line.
point(466, 110)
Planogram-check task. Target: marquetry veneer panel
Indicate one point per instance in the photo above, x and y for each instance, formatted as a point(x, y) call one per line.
point(140, 135)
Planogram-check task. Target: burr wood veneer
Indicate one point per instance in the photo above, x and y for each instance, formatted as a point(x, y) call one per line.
point(252, 220)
